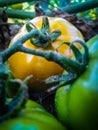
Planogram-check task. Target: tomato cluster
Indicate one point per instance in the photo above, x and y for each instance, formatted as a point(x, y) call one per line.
point(76, 103)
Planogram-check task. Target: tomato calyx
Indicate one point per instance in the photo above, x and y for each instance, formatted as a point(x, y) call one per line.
point(73, 69)
point(44, 37)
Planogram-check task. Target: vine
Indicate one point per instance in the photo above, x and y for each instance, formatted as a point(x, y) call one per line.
point(80, 7)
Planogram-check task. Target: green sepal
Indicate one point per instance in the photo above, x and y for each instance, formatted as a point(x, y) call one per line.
point(54, 35)
point(28, 27)
point(45, 25)
point(60, 80)
point(43, 37)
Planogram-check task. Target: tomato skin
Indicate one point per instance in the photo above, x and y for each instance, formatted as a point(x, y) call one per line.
point(23, 65)
point(61, 104)
point(80, 101)
point(34, 117)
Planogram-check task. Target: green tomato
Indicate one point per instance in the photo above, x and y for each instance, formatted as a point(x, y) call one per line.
point(77, 104)
point(32, 117)
point(61, 103)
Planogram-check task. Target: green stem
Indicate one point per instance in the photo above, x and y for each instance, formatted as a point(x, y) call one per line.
point(17, 102)
point(16, 46)
point(85, 57)
point(3, 77)
point(78, 55)
point(11, 2)
point(20, 14)
point(81, 58)
point(81, 7)
point(65, 79)
point(44, 37)
point(65, 62)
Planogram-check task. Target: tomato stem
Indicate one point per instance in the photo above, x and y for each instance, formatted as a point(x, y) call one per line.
point(44, 37)
point(7, 109)
point(71, 66)
point(62, 80)
point(85, 55)
point(66, 63)
point(70, 77)
point(3, 77)
point(17, 102)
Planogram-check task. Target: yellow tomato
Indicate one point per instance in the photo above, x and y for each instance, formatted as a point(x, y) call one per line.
point(23, 64)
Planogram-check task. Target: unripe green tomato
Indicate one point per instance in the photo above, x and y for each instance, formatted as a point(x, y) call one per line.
point(77, 104)
point(32, 117)
point(61, 103)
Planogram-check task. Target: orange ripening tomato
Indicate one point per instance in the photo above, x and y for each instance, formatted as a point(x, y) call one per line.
point(23, 65)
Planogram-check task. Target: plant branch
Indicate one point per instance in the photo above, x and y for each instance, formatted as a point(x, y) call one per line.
point(17, 45)
point(65, 62)
point(21, 14)
point(11, 2)
point(3, 77)
point(81, 7)
point(67, 79)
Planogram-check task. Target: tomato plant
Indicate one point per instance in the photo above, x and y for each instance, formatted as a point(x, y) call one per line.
point(77, 103)
point(23, 64)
